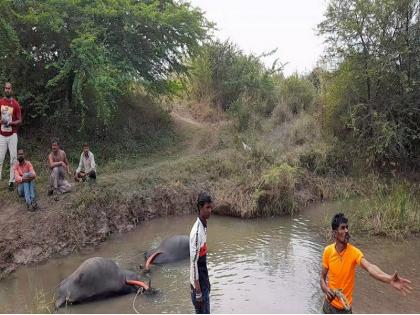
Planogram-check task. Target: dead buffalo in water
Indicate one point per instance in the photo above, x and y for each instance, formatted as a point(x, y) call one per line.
point(172, 249)
point(97, 277)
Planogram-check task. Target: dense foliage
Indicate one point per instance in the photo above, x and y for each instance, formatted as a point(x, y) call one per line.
point(75, 63)
point(73, 59)
point(222, 73)
point(372, 96)
point(228, 79)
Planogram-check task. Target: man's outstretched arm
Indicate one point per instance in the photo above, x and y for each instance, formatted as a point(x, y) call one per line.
point(401, 284)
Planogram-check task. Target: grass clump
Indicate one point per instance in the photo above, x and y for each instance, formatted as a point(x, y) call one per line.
point(42, 303)
point(392, 212)
point(276, 192)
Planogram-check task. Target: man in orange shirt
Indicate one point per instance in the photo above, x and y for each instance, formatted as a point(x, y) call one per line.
point(339, 263)
point(25, 177)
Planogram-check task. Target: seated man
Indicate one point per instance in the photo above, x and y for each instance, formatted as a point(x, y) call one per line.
point(87, 166)
point(25, 178)
point(59, 165)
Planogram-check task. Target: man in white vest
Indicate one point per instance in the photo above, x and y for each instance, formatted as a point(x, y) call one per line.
point(199, 276)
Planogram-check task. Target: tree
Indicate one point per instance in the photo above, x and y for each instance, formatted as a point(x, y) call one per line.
point(81, 56)
point(221, 73)
point(375, 46)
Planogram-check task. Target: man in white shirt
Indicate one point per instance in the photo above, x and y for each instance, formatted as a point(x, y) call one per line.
point(199, 276)
point(87, 166)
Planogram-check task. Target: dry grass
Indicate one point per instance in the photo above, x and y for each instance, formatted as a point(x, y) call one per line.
point(42, 303)
point(281, 113)
point(393, 212)
point(205, 112)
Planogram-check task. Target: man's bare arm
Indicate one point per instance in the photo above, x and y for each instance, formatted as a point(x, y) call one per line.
point(401, 284)
point(330, 294)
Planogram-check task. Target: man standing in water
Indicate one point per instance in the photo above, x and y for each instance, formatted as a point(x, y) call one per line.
point(339, 262)
point(199, 276)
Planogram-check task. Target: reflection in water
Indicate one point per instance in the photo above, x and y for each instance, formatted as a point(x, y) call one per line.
point(256, 266)
point(266, 268)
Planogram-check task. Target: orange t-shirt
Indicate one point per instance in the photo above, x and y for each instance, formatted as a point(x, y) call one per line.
point(22, 169)
point(341, 270)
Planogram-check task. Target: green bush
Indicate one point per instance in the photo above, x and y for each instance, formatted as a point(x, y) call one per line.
point(141, 126)
point(275, 194)
point(298, 93)
point(281, 114)
point(326, 162)
point(371, 100)
point(222, 74)
point(81, 56)
point(393, 212)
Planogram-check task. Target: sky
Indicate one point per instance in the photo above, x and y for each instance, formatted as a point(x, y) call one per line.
point(260, 26)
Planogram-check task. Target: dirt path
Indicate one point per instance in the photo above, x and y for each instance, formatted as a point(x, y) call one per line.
point(197, 137)
point(183, 121)
point(9, 211)
point(59, 228)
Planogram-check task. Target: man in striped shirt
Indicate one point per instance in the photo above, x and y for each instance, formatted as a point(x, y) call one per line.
point(199, 276)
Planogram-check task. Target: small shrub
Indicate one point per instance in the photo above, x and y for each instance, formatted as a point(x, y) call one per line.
point(299, 94)
point(394, 213)
point(230, 80)
point(276, 192)
point(281, 114)
point(331, 161)
point(304, 130)
point(311, 160)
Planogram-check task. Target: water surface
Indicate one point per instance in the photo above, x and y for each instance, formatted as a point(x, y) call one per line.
point(269, 265)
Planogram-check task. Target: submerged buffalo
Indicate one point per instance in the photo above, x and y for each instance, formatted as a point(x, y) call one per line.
point(97, 277)
point(170, 250)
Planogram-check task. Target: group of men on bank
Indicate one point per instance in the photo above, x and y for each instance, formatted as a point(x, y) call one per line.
point(22, 172)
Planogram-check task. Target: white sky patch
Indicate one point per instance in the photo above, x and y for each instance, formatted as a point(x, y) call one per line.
point(260, 26)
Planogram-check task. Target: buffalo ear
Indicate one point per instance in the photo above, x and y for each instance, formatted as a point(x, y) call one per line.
point(79, 277)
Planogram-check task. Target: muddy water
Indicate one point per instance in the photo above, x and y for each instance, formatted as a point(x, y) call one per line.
point(256, 266)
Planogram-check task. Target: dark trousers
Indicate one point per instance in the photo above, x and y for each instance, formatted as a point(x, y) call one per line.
point(91, 175)
point(204, 308)
point(327, 308)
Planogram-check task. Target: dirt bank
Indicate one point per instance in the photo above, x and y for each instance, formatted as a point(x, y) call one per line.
point(62, 228)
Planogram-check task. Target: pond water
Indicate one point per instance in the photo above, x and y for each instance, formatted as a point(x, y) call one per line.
point(269, 265)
